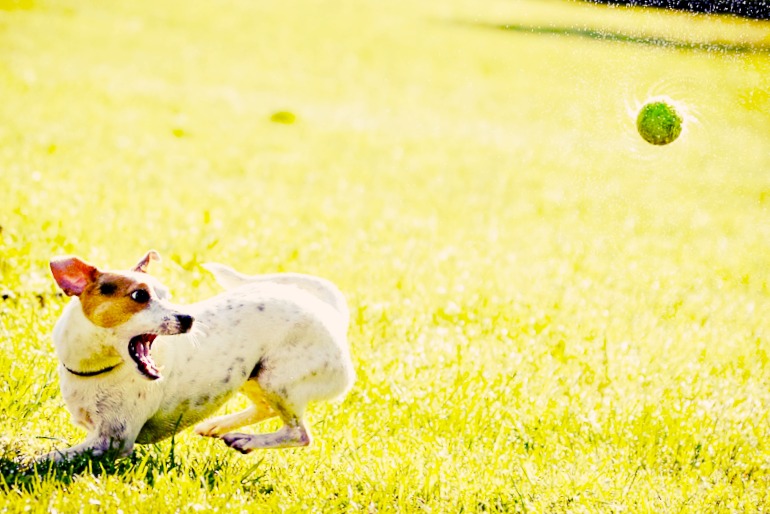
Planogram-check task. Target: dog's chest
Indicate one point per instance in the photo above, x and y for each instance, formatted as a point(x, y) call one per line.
point(111, 404)
point(80, 403)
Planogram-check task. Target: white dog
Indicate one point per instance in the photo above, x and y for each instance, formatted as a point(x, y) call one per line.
point(137, 369)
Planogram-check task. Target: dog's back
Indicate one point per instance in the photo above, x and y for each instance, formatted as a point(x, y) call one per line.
point(319, 287)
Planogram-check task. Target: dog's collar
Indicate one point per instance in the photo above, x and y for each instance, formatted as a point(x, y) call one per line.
point(90, 373)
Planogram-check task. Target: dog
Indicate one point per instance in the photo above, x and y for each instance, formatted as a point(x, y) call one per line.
point(135, 368)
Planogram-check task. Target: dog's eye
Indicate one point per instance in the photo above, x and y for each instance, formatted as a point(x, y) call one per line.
point(140, 296)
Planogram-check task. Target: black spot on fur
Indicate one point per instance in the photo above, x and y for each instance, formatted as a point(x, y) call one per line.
point(261, 307)
point(108, 288)
point(258, 368)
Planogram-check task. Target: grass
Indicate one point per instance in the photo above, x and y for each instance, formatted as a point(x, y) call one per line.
point(549, 315)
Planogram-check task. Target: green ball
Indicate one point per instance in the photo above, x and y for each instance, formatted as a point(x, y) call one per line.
point(658, 123)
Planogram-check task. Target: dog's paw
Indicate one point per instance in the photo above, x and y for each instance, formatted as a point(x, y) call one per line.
point(241, 442)
point(211, 427)
point(206, 429)
point(48, 458)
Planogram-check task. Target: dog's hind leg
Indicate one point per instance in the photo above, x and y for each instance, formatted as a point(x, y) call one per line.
point(290, 407)
point(288, 436)
point(292, 434)
point(304, 371)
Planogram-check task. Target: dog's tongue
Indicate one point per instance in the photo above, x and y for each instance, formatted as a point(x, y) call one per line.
point(139, 350)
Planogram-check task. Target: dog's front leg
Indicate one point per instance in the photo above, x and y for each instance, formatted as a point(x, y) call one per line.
point(94, 446)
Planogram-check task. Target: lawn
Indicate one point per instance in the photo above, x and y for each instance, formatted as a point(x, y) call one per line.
point(548, 313)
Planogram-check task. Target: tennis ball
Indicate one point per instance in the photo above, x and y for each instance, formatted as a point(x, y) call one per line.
point(658, 123)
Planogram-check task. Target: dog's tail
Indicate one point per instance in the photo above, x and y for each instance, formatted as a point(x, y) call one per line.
point(319, 287)
point(226, 276)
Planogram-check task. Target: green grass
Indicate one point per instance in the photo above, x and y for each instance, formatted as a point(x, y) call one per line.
point(549, 315)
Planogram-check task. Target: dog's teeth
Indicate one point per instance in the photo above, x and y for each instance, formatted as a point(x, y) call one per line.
point(139, 349)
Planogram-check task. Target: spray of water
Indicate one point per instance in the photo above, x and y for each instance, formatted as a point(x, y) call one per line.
point(674, 92)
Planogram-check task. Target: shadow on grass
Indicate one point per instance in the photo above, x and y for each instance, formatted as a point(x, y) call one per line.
point(619, 37)
point(146, 464)
point(17, 473)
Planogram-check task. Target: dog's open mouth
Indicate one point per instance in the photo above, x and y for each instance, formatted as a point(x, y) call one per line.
point(139, 350)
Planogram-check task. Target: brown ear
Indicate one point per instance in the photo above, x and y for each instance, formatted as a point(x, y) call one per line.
point(152, 255)
point(72, 274)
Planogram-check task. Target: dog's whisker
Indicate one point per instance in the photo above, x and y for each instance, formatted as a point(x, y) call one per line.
point(198, 331)
point(200, 324)
point(196, 342)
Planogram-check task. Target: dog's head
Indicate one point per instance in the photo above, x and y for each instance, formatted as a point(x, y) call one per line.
point(131, 303)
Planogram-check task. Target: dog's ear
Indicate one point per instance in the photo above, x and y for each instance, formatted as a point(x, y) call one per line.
point(152, 255)
point(72, 274)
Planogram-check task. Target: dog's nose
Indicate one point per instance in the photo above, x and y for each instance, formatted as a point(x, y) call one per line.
point(185, 322)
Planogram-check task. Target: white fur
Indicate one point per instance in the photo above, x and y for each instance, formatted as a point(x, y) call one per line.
point(289, 328)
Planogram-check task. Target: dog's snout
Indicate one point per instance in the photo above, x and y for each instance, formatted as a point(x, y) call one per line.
point(185, 322)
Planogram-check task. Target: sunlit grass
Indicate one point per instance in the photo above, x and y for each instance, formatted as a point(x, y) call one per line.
point(549, 314)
